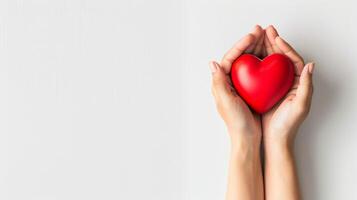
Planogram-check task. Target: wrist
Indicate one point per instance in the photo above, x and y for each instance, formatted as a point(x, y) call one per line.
point(245, 149)
point(244, 129)
point(247, 157)
point(278, 149)
point(245, 140)
point(280, 139)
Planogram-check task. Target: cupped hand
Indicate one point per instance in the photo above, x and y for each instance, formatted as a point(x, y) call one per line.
point(242, 122)
point(281, 123)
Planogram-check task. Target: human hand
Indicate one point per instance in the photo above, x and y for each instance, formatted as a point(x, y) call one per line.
point(242, 123)
point(281, 123)
point(244, 126)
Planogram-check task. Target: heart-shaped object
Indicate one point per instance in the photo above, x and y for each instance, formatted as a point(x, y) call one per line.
point(262, 83)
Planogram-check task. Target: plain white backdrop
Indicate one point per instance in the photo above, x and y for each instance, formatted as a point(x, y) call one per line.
point(111, 99)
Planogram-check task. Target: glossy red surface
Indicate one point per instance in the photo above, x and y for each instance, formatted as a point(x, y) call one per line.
point(262, 83)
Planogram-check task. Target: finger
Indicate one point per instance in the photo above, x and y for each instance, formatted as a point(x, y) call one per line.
point(268, 47)
point(305, 88)
point(220, 87)
point(291, 53)
point(257, 32)
point(291, 94)
point(259, 46)
point(236, 51)
point(264, 50)
point(271, 34)
point(296, 82)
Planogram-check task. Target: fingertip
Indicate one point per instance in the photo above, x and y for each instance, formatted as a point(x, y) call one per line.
point(271, 34)
point(311, 67)
point(257, 27)
point(308, 68)
point(306, 76)
point(260, 31)
point(213, 66)
point(213, 62)
point(250, 37)
point(252, 40)
point(305, 69)
point(273, 29)
point(269, 27)
point(305, 88)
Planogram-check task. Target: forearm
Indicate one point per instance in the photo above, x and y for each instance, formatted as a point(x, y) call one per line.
point(245, 173)
point(281, 180)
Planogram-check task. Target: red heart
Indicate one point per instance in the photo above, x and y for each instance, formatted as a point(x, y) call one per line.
point(262, 83)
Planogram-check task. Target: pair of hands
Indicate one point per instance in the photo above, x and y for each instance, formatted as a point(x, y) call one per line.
point(280, 124)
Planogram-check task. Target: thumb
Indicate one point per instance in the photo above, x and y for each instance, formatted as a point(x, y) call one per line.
point(220, 88)
point(305, 88)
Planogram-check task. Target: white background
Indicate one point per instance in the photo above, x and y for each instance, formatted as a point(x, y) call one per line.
point(110, 99)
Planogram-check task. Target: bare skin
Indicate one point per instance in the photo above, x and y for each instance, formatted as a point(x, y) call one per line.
point(276, 129)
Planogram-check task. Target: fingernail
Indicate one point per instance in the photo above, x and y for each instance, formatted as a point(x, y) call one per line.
point(311, 67)
point(257, 26)
point(274, 29)
point(213, 66)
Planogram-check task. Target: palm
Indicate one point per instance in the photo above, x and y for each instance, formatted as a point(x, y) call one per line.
point(278, 116)
point(242, 108)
